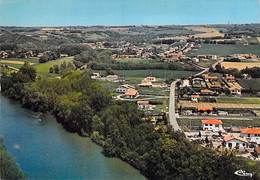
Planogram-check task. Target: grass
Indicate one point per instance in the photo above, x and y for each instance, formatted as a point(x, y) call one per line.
point(18, 62)
point(206, 63)
point(13, 65)
point(240, 65)
point(239, 100)
point(226, 122)
point(253, 84)
point(44, 67)
point(224, 50)
point(253, 41)
point(131, 60)
point(151, 72)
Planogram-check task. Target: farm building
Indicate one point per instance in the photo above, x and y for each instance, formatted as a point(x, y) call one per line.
point(143, 104)
point(207, 110)
point(145, 83)
point(95, 76)
point(131, 94)
point(251, 135)
point(212, 125)
point(235, 142)
point(235, 90)
point(123, 88)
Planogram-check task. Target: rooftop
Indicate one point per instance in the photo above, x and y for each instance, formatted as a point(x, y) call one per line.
point(211, 121)
point(250, 131)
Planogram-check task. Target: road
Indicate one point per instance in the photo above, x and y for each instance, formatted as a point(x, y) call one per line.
point(172, 114)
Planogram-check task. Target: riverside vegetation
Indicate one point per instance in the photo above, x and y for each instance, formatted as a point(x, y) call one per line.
point(81, 105)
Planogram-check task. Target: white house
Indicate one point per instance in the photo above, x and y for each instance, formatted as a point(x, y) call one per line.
point(212, 125)
point(235, 90)
point(152, 79)
point(185, 83)
point(111, 77)
point(143, 104)
point(131, 94)
point(195, 98)
point(123, 88)
point(251, 135)
point(95, 76)
point(235, 142)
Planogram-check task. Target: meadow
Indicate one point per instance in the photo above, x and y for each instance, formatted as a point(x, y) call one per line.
point(253, 84)
point(18, 62)
point(44, 67)
point(240, 65)
point(224, 50)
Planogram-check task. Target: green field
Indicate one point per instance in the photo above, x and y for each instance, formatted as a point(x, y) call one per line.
point(44, 67)
point(31, 60)
point(239, 100)
point(206, 63)
point(136, 60)
point(253, 41)
point(254, 84)
point(223, 50)
point(151, 72)
point(13, 65)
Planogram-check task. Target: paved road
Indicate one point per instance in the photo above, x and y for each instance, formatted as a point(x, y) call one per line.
point(172, 115)
point(219, 117)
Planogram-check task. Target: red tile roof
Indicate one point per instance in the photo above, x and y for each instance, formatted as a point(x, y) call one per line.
point(131, 92)
point(206, 91)
point(250, 131)
point(211, 121)
point(142, 102)
point(230, 137)
point(204, 108)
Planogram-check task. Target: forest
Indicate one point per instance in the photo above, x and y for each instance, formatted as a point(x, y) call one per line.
point(82, 106)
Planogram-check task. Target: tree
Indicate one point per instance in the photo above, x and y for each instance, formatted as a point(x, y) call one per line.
point(44, 58)
point(56, 69)
point(51, 70)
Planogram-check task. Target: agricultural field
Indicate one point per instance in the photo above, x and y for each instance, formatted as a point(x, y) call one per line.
point(247, 84)
point(240, 65)
point(188, 104)
point(253, 41)
point(135, 60)
point(44, 67)
point(208, 32)
point(239, 100)
point(224, 50)
point(18, 62)
point(204, 63)
point(258, 39)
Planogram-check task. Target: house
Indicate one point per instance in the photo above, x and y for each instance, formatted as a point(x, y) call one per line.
point(143, 104)
point(131, 94)
point(204, 109)
point(229, 78)
point(235, 142)
point(195, 60)
point(235, 90)
point(209, 78)
point(185, 83)
point(123, 88)
point(95, 76)
point(198, 81)
point(206, 92)
point(152, 79)
point(146, 83)
point(251, 135)
point(195, 98)
point(111, 77)
point(212, 125)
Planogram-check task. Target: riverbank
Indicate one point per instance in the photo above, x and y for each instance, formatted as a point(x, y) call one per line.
point(8, 167)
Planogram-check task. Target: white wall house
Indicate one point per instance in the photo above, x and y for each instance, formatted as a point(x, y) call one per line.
point(152, 79)
point(123, 88)
point(235, 90)
point(131, 94)
point(251, 135)
point(95, 76)
point(111, 77)
point(143, 104)
point(212, 125)
point(235, 142)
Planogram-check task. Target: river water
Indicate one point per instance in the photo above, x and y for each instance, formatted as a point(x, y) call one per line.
point(127, 12)
point(44, 150)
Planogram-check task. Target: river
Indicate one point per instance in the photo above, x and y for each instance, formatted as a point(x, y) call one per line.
point(44, 150)
point(126, 12)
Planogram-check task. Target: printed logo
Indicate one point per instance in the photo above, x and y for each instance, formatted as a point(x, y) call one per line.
point(243, 173)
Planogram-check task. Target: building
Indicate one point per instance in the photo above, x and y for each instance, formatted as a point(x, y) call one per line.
point(95, 76)
point(251, 135)
point(111, 77)
point(123, 88)
point(185, 83)
point(229, 78)
point(194, 98)
point(143, 104)
point(206, 92)
point(198, 81)
point(131, 94)
point(212, 125)
point(207, 110)
point(146, 83)
point(210, 78)
point(235, 90)
point(152, 79)
point(235, 142)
